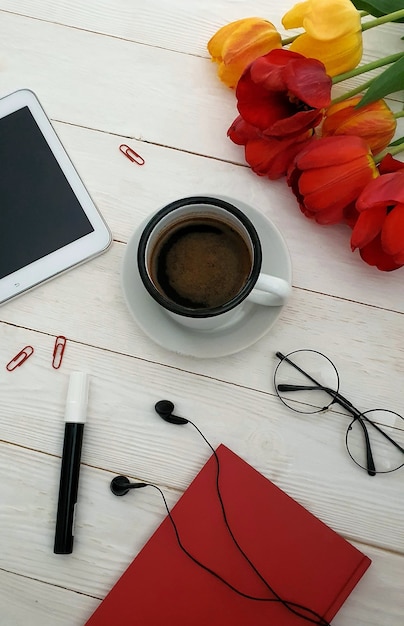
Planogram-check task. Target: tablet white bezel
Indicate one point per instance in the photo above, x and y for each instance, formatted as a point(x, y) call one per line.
point(78, 251)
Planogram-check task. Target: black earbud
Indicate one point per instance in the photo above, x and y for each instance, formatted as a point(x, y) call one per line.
point(165, 409)
point(120, 485)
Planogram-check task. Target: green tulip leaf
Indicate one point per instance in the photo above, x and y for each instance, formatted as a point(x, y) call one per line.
point(387, 82)
point(379, 7)
point(398, 142)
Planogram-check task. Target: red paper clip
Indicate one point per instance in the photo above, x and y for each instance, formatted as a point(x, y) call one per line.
point(131, 154)
point(58, 350)
point(20, 358)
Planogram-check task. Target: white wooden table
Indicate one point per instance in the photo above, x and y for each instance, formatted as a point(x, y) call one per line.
point(114, 71)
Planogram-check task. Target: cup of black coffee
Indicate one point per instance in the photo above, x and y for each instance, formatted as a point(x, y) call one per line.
point(200, 259)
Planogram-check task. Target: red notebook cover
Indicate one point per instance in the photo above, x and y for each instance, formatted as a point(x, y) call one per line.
point(302, 559)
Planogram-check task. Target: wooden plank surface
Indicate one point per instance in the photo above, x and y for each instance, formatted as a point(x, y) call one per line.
point(303, 454)
point(139, 73)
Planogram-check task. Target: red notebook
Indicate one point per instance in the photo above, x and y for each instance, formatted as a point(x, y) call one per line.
point(302, 559)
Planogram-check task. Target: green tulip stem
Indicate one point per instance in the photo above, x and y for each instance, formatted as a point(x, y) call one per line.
point(399, 114)
point(390, 17)
point(389, 150)
point(368, 67)
point(352, 92)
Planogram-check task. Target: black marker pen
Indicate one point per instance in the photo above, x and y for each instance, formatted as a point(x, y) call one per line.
point(75, 417)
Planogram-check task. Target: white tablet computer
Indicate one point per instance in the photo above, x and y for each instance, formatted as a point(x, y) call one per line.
point(48, 222)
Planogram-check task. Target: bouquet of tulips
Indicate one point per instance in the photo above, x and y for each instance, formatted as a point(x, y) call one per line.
point(335, 153)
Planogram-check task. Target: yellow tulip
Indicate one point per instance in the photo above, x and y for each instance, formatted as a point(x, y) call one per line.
point(332, 34)
point(239, 43)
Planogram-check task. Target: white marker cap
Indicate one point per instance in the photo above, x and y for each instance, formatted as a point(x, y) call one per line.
point(77, 396)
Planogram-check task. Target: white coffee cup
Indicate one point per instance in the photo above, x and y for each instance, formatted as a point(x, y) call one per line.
point(191, 248)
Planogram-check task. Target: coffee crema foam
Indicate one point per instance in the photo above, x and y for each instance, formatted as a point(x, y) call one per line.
point(202, 263)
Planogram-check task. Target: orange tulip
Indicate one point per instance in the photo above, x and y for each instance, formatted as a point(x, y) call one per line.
point(375, 122)
point(328, 175)
point(333, 33)
point(237, 44)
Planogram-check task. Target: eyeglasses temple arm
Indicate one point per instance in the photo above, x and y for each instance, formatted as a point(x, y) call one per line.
point(347, 405)
point(282, 357)
point(370, 464)
point(289, 387)
point(397, 445)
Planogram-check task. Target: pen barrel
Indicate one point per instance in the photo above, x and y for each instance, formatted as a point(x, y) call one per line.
point(68, 488)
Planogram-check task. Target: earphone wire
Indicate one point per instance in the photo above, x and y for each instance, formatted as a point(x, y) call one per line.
point(290, 605)
point(293, 607)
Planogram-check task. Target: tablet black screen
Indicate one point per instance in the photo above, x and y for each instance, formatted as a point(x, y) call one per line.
point(39, 212)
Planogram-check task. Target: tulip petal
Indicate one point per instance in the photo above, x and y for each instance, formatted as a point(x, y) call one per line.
point(229, 75)
point(375, 123)
point(323, 19)
point(242, 48)
point(295, 125)
point(294, 18)
point(340, 106)
point(331, 19)
point(393, 231)
point(334, 214)
point(367, 227)
point(306, 78)
point(240, 132)
point(334, 186)
point(216, 43)
point(260, 108)
point(250, 42)
point(388, 164)
point(373, 254)
point(237, 44)
point(272, 157)
point(399, 259)
point(384, 191)
point(332, 151)
point(338, 56)
point(268, 69)
point(351, 215)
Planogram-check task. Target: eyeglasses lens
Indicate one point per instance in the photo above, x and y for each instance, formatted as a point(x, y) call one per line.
point(388, 455)
point(301, 379)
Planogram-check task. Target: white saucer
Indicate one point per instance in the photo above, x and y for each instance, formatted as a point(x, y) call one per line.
point(252, 324)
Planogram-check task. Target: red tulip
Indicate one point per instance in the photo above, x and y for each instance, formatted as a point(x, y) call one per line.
point(267, 156)
point(328, 175)
point(283, 93)
point(386, 166)
point(379, 229)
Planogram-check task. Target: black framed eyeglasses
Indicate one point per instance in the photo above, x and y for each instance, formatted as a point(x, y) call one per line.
point(307, 381)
